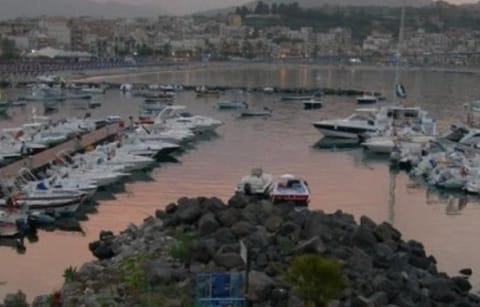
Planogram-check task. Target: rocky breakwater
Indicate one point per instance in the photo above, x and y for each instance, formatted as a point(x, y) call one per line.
point(154, 264)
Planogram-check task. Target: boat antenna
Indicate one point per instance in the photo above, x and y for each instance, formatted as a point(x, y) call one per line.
point(398, 52)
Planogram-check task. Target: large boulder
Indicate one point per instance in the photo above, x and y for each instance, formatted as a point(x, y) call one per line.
point(207, 224)
point(224, 236)
point(243, 228)
point(289, 229)
point(260, 286)
point(229, 260)
point(313, 245)
point(239, 201)
point(316, 224)
point(228, 217)
point(203, 250)
point(462, 284)
point(102, 249)
point(212, 204)
point(385, 232)
point(158, 272)
point(273, 223)
point(363, 237)
point(441, 289)
point(188, 210)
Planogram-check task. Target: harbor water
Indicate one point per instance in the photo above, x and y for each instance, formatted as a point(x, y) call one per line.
point(345, 179)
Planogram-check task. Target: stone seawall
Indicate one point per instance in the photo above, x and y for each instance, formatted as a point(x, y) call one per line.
point(154, 264)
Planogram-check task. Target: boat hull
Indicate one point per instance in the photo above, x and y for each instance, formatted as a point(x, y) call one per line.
point(342, 132)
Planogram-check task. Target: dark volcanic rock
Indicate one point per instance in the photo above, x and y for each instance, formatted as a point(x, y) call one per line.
point(462, 283)
point(229, 260)
point(379, 267)
point(207, 224)
point(260, 286)
point(171, 208)
point(466, 271)
point(228, 217)
point(188, 210)
point(203, 250)
point(239, 201)
point(273, 223)
point(243, 228)
point(363, 237)
point(313, 245)
point(385, 232)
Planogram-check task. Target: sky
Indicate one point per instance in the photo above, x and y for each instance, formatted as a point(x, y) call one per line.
point(188, 6)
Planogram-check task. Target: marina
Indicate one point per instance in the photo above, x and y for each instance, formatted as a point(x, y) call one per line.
point(208, 169)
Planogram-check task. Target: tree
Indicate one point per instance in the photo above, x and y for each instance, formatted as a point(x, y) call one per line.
point(315, 279)
point(8, 49)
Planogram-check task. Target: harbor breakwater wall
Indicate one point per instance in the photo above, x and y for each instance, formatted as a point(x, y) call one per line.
point(276, 90)
point(154, 264)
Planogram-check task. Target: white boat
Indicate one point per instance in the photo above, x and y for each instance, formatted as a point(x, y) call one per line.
point(226, 105)
point(372, 121)
point(257, 183)
point(350, 128)
point(50, 78)
point(94, 90)
point(290, 188)
point(147, 149)
point(55, 183)
point(173, 117)
point(155, 133)
point(47, 201)
point(367, 99)
point(126, 87)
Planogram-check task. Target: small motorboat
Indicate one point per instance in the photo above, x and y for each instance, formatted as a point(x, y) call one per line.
point(224, 105)
point(94, 103)
point(294, 98)
point(367, 99)
point(312, 104)
point(126, 87)
point(256, 113)
point(290, 188)
point(94, 90)
point(205, 92)
point(257, 183)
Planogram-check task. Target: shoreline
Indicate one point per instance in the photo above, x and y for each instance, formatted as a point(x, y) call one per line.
point(158, 260)
point(96, 75)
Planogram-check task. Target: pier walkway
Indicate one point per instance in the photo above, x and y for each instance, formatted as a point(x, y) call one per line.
point(41, 159)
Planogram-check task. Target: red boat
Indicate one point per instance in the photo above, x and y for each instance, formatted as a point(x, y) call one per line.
point(289, 188)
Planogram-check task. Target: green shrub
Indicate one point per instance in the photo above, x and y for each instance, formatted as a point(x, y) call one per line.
point(181, 249)
point(315, 279)
point(133, 272)
point(70, 274)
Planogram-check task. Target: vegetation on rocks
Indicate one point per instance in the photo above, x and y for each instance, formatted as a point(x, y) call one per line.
point(315, 279)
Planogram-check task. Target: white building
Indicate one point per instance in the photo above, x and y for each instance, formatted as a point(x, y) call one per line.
point(57, 29)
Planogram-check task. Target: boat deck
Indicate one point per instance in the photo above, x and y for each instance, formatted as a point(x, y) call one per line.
point(41, 159)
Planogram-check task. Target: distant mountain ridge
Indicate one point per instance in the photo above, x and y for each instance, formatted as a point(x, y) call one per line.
point(389, 3)
point(10, 9)
point(320, 3)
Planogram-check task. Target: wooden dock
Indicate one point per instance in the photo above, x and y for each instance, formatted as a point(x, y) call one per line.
point(41, 159)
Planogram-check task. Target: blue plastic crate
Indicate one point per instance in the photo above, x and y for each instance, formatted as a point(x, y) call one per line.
point(219, 290)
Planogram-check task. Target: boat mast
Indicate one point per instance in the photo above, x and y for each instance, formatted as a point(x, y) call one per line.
point(398, 52)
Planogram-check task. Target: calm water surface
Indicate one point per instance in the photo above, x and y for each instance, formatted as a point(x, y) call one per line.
point(347, 180)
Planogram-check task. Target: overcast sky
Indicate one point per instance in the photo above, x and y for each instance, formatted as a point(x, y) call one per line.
point(189, 6)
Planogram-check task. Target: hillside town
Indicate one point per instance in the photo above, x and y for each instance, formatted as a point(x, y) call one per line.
point(237, 35)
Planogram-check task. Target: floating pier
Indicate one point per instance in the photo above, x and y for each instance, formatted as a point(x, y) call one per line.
point(43, 158)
